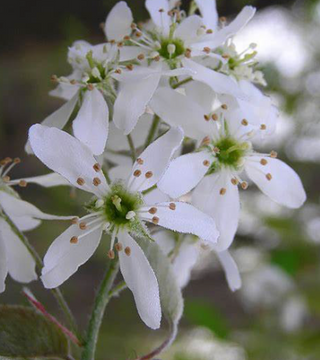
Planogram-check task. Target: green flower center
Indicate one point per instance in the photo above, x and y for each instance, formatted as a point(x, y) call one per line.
point(118, 203)
point(171, 48)
point(230, 151)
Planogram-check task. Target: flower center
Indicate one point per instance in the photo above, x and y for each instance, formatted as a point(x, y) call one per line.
point(171, 48)
point(120, 205)
point(230, 152)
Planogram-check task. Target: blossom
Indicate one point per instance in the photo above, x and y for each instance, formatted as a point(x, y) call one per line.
point(15, 258)
point(216, 167)
point(172, 46)
point(118, 209)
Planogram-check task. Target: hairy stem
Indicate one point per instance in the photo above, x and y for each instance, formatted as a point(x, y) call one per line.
point(56, 292)
point(152, 131)
point(100, 304)
point(132, 148)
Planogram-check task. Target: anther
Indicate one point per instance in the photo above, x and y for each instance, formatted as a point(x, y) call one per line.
point(187, 53)
point(206, 117)
point(74, 221)
point(263, 127)
point(140, 57)
point(17, 160)
point(234, 181)
point(73, 82)
point(74, 240)
point(96, 181)
point(120, 44)
point(225, 56)
point(127, 251)
point(140, 161)
point(138, 34)
point(223, 19)
point(6, 179)
point(273, 154)
point(216, 150)
point(125, 38)
point(161, 10)
point(90, 87)
point(153, 210)
point(148, 174)
point(206, 50)
point(80, 181)
point(155, 220)
point(133, 26)
point(83, 226)
point(205, 141)
point(223, 191)
point(263, 162)
point(209, 31)
point(224, 106)
point(129, 67)
point(244, 122)
point(111, 254)
point(118, 71)
point(130, 215)
point(118, 246)
point(23, 183)
point(156, 58)
point(269, 176)
point(97, 167)
point(99, 203)
point(172, 206)
point(206, 163)
point(137, 173)
point(214, 117)
point(54, 78)
point(244, 185)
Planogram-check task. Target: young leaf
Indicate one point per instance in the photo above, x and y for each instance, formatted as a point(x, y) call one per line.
point(25, 333)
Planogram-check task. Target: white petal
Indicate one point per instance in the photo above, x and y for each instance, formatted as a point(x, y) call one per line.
point(155, 159)
point(47, 181)
point(130, 52)
point(16, 208)
point(158, 10)
point(179, 110)
point(187, 29)
point(64, 91)
point(184, 173)
point(141, 280)
point(208, 10)
point(224, 209)
point(118, 23)
point(185, 219)
point(120, 172)
point(92, 122)
point(67, 156)
point(155, 196)
point(285, 187)
point(21, 265)
point(64, 258)
point(220, 83)
point(59, 118)
point(132, 101)
point(202, 94)
point(231, 270)
point(3, 261)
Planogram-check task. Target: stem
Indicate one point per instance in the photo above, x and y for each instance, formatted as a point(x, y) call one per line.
point(117, 289)
point(100, 304)
point(132, 148)
point(152, 131)
point(185, 81)
point(56, 292)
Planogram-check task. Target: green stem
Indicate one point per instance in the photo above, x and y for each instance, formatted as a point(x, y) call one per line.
point(152, 131)
point(56, 292)
point(100, 304)
point(185, 81)
point(117, 289)
point(132, 148)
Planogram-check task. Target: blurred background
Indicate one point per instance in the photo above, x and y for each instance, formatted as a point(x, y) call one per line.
point(276, 314)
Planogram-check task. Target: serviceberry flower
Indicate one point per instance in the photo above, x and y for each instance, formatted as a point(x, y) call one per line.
point(15, 259)
point(118, 209)
point(224, 153)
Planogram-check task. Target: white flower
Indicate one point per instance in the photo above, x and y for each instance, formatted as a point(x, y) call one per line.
point(174, 46)
point(15, 259)
point(118, 209)
point(225, 153)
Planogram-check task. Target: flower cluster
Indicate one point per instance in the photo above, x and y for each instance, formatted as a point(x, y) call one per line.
point(165, 116)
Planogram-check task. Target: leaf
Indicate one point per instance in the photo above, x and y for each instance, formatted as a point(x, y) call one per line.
point(170, 292)
point(24, 333)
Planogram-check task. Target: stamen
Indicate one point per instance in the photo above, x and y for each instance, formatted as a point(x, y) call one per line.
point(172, 206)
point(6, 179)
point(130, 215)
point(118, 71)
point(23, 183)
point(263, 127)
point(234, 181)
point(111, 254)
point(215, 117)
point(155, 220)
point(269, 176)
point(118, 246)
point(148, 174)
point(129, 67)
point(206, 50)
point(273, 154)
point(54, 78)
point(99, 203)
point(127, 251)
point(244, 185)
point(223, 191)
point(206, 163)
point(140, 161)
point(97, 167)
point(90, 87)
point(153, 210)
point(83, 226)
point(96, 181)
point(209, 31)
point(244, 122)
point(205, 141)
point(74, 240)
point(224, 106)
point(140, 57)
point(187, 53)
point(74, 221)
point(263, 162)
point(206, 117)
point(137, 173)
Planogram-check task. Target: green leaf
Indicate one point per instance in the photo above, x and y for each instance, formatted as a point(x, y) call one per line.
point(24, 333)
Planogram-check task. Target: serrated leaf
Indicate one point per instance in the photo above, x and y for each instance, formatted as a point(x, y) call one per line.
point(25, 333)
point(170, 292)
